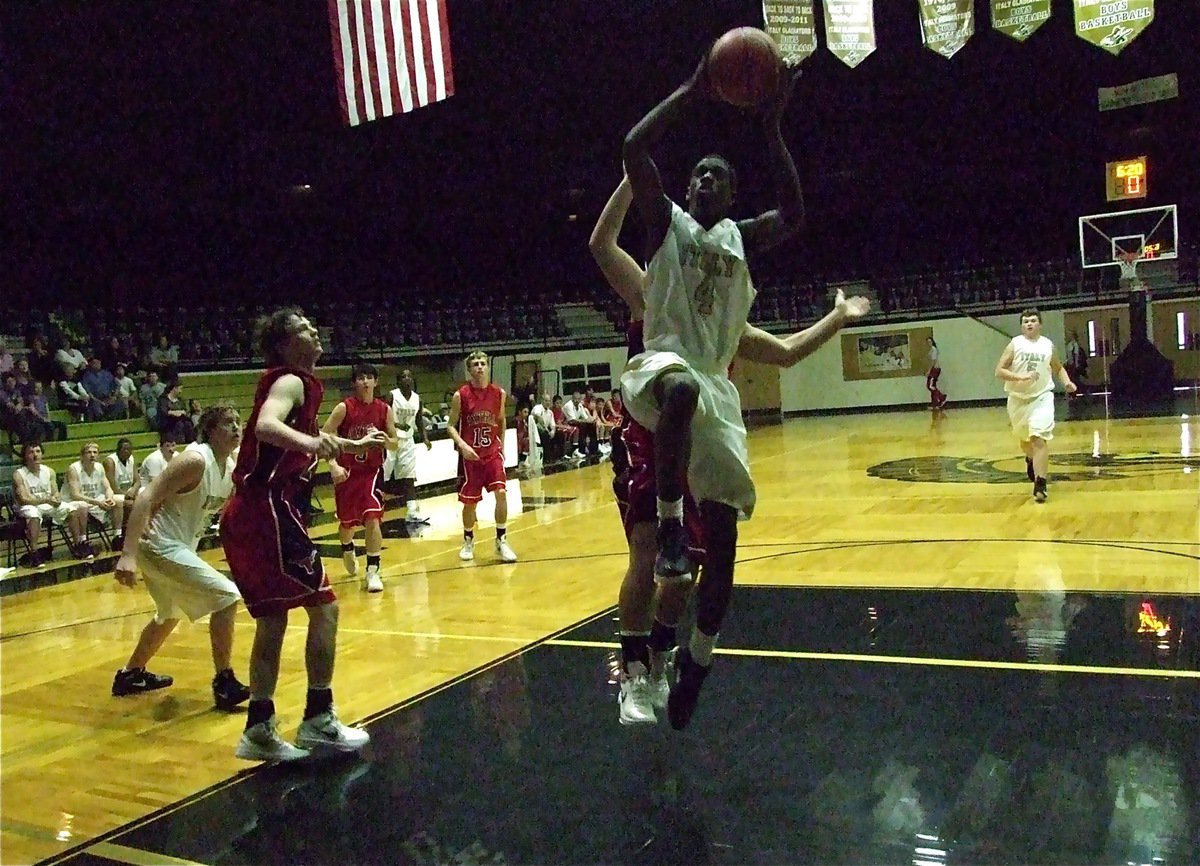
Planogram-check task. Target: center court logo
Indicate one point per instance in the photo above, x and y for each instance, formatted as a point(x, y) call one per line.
point(1064, 467)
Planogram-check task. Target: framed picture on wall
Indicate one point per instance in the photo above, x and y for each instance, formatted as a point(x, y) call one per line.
point(885, 354)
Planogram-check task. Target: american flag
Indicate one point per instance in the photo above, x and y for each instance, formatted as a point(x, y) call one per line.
point(391, 56)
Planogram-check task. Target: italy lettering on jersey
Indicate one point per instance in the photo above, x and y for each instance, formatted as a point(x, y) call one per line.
point(1031, 356)
point(479, 418)
point(361, 420)
point(404, 413)
point(698, 292)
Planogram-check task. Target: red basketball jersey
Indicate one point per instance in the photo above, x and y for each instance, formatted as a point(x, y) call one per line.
point(361, 418)
point(261, 466)
point(479, 418)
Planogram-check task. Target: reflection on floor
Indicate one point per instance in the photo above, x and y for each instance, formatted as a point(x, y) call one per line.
point(839, 726)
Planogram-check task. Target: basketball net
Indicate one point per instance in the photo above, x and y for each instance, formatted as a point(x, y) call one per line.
point(1128, 263)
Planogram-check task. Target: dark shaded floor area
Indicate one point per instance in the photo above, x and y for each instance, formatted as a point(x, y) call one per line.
point(810, 757)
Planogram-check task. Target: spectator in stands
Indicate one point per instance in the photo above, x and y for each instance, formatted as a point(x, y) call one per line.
point(579, 417)
point(156, 461)
point(570, 431)
point(12, 409)
point(112, 355)
point(6, 359)
point(41, 362)
point(36, 490)
point(552, 439)
point(88, 483)
point(525, 395)
point(73, 397)
point(1076, 364)
point(121, 469)
point(102, 386)
point(164, 357)
point(126, 392)
point(173, 414)
point(24, 379)
point(37, 403)
point(148, 395)
point(194, 412)
point(70, 360)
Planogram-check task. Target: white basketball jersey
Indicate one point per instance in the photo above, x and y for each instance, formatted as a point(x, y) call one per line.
point(123, 472)
point(90, 485)
point(698, 293)
point(1031, 356)
point(185, 517)
point(404, 413)
point(40, 485)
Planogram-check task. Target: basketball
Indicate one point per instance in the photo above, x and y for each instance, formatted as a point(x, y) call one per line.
point(744, 67)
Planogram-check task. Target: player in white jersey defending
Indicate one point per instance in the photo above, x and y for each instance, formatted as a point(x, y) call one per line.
point(1025, 366)
point(168, 518)
point(698, 296)
point(410, 419)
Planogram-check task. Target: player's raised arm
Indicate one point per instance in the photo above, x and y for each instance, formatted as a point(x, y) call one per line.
point(618, 267)
point(787, 218)
point(648, 194)
point(758, 345)
point(287, 392)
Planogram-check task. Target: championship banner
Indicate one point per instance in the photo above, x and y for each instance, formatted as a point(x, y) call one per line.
point(1112, 24)
point(793, 26)
point(850, 29)
point(1019, 18)
point(946, 25)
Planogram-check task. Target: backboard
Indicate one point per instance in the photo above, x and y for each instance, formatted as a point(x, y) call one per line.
point(1151, 232)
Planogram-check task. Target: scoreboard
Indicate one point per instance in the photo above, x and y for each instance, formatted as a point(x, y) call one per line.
point(1126, 179)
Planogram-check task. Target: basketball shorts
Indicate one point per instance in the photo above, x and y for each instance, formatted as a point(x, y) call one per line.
point(357, 499)
point(480, 475)
point(401, 463)
point(183, 584)
point(271, 558)
point(719, 470)
point(1031, 418)
point(636, 489)
point(104, 515)
point(58, 514)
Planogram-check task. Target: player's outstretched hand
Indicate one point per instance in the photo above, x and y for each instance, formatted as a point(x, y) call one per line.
point(374, 439)
point(337, 473)
point(852, 308)
point(328, 446)
point(126, 571)
point(1070, 388)
point(468, 453)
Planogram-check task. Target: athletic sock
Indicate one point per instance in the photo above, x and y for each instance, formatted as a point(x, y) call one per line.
point(500, 530)
point(469, 534)
point(373, 560)
point(259, 711)
point(319, 701)
point(347, 547)
point(662, 637)
point(635, 647)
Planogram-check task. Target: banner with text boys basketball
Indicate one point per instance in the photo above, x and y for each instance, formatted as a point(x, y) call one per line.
point(946, 25)
point(1019, 18)
point(1112, 24)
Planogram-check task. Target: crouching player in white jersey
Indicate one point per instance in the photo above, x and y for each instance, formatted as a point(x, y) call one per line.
point(698, 295)
point(1025, 367)
point(168, 519)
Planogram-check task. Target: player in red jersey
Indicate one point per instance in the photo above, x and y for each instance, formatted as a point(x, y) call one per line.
point(356, 477)
point(271, 558)
point(648, 615)
point(476, 425)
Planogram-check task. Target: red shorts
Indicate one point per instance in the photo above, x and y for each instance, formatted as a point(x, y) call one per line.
point(636, 486)
point(357, 499)
point(480, 475)
point(271, 558)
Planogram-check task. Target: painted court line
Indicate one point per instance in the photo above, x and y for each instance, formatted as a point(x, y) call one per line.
point(136, 856)
point(915, 660)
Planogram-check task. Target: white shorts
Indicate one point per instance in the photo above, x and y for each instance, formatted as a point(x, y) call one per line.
point(58, 514)
point(719, 469)
point(1030, 418)
point(401, 463)
point(183, 584)
point(104, 515)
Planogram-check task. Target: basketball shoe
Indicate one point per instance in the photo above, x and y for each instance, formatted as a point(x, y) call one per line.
point(506, 553)
point(1039, 490)
point(227, 691)
point(325, 731)
point(138, 680)
point(262, 742)
point(374, 581)
point(636, 698)
point(467, 552)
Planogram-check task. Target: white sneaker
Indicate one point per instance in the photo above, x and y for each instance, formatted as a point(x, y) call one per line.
point(635, 697)
point(263, 743)
point(5, 572)
point(374, 581)
point(414, 516)
point(578, 455)
point(324, 731)
point(660, 688)
point(467, 552)
point(351, 562)
point(506, 553)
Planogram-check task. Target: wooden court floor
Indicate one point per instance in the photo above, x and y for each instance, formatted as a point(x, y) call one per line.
point(900, 500)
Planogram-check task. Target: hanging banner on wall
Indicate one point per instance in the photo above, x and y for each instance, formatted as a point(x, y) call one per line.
point(1112, 24)
point(850, 29)
point(1019, 18)
point(793, 25)
point(946, 25)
